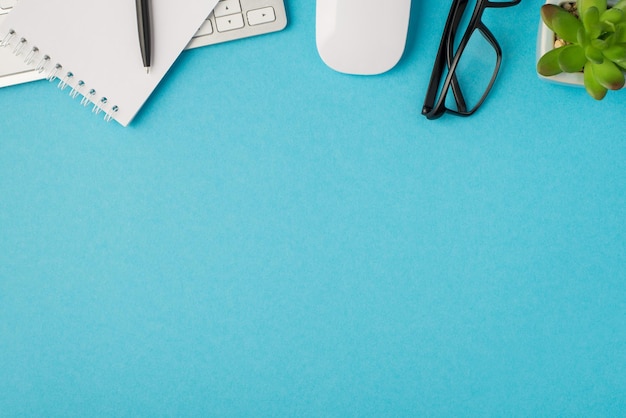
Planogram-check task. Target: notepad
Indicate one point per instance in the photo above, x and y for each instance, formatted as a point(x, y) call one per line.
point(92, 47)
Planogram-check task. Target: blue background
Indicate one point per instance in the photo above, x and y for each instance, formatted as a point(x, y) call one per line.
point(272, 238)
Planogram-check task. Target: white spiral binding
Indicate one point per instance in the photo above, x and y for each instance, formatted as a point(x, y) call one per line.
point(7, 39)
point(55, 71)
point(65, 80)
point(31, 56)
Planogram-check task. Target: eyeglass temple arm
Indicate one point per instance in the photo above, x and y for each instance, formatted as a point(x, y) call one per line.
point(454, 17)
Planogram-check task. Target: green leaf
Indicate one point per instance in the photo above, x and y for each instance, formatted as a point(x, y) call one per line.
point(567, 26)
point(595, 89)
point(561, 22)
point(620, 33)
point(572, 58)
point(584, 5)
point(594, 54)
point(608, 75)
point(615, 53)
point(548, 13)
point(613, 15)
point(606, 27)
point(582, 38)
point(599, 44)
point(548, 64)
point(621, 5)
point(591, 19)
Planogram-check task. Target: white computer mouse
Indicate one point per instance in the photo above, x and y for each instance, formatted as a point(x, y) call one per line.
point(363, 37)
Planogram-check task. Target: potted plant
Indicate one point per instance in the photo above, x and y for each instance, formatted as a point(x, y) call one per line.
point(583, 43)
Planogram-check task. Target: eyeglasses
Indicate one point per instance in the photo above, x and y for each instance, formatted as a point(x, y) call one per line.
point(466, 62)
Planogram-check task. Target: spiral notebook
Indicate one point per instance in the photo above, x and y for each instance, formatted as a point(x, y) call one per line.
point(92, 47)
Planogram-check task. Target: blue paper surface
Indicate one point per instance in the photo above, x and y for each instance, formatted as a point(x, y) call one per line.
point(272, 238)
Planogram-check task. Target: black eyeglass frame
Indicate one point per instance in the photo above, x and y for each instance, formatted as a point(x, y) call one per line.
point(434, 108)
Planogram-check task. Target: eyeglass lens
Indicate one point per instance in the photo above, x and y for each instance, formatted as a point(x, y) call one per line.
point(472, 53)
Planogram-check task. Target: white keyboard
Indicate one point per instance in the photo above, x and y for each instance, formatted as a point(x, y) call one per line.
point(236, 19)
point(230, 20)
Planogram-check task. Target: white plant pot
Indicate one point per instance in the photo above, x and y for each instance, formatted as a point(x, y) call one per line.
point(545, 42)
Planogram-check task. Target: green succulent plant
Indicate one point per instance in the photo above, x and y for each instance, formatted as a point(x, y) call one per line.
point(594, 43)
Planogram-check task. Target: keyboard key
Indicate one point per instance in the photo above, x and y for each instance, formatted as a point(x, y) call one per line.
point(7, 4)
point(260, 16)
point(226, 23)
point(205, 29)
point(227, 7)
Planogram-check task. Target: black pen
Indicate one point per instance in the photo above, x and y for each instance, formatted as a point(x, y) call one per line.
point(144, 26)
